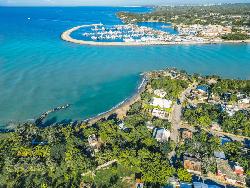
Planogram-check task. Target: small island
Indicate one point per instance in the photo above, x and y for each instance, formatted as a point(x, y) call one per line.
point(178, 127)
point(194, 25)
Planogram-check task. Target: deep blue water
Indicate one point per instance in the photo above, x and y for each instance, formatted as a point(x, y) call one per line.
point(39, 71)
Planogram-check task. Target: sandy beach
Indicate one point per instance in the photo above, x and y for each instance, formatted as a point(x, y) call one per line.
point(66, 37)
point(122, 108)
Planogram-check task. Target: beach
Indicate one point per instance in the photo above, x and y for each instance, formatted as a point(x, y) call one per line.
point(122, 108)
point(66, 36)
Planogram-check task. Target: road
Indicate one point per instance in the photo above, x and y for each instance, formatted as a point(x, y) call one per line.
point(176, 114)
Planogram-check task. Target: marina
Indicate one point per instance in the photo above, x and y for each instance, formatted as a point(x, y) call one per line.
point(132, 34)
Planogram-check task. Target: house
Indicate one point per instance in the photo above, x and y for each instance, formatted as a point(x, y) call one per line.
point(192, 164)
point(244, 100)
point(162, 103)
point(173, 183)
point(216, 126)
point(226, 173)
point(160, 93)
point(219, 154)
point(186, 134)
point(159, 113)
point(230, 109)
point(161, 134)
point(149, 125)
point(94, 142)
point(238, 169)
point(123, 127)
point(138, 180)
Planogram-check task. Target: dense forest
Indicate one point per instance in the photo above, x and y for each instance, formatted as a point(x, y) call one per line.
point(226, 14)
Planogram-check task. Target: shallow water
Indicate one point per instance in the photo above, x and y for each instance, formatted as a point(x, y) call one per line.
point(39, 71)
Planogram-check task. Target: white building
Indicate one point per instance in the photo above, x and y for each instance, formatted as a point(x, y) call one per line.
point(159, 113)
point(244, 100)
point(162, 103)
point(160, 93)
point(161, 134)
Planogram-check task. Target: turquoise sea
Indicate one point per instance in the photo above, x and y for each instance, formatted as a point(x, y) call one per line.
point(39, 71)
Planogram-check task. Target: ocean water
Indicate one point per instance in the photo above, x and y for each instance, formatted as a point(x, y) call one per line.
point(39, 71)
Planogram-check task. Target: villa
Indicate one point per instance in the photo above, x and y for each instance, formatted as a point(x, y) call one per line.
point(230, 109)
point(162, 103)
point(185, 133)
point(159, 113)
point(219, 155)
point(216, 126)
point(122, 126)
point(161, 134)
point(94, 142)
point(160, 93)
point(192, 164)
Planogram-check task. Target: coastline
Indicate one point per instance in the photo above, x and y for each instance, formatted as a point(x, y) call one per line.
point(122, 108)
point(66, 37)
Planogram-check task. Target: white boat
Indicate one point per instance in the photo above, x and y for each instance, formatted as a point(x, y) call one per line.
point(128, 40)
point(94, 38)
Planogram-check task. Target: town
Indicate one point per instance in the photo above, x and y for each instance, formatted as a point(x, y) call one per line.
point(141, 34)
point(214, 22)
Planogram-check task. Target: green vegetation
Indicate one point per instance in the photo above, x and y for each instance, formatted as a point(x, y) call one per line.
point(235, 152)
point(236, 36)
point(174, 87)
point(232, 86)
point(184, 175)
point(238, 124)
point(203, 114)
point(227, 14)
point(66, 155)
point(202, 146)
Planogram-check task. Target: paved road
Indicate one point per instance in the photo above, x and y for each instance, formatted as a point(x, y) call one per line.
point(176, 115)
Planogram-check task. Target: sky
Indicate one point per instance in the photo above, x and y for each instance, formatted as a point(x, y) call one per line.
point(109, 2)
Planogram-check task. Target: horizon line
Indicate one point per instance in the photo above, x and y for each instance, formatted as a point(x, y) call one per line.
point(149, 5)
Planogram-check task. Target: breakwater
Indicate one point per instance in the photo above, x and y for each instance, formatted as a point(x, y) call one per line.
point(39, 120)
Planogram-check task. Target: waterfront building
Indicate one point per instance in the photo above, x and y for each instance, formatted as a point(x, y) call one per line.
point(162, 103)
point(192, 164)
